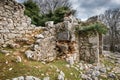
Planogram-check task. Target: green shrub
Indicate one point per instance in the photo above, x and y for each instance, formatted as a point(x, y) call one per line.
point(32, 10)
point(91, 29)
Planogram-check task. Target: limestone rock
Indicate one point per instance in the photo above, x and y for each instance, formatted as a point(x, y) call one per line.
point(14, 78)
point(65, 35)
point(18, 59)
point(21, 78)
point(111, 75)
point(29, 54)
point(61, 76)
point(46, 78)
point(49, 24)
point(39, 36)
point(103, 70)
point(70, 60)
point(83, 76)
point(29, 78)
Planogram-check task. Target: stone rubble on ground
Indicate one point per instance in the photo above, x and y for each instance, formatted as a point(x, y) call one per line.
point(61, 76)
point(46, 78)
point(18, 59)
point(26, 78)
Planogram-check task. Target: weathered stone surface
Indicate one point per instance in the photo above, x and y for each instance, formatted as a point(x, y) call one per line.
point(4, 51)
point(70, 60)
point(13, 22)
point(65, 35)
point(111, 75)
point(61, 76)
point(49, 24)
point(103, 70)
point(29, 78)
point(29, 54)
point(39, 36)
point(26, 78)
point(21, 78)
point(46, 78)
point(15, 25)
point(18, 59)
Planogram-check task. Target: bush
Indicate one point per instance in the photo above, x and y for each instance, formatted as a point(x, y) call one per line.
point(33, 11)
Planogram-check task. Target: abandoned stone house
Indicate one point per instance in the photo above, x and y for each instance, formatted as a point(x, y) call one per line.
point(50, 42)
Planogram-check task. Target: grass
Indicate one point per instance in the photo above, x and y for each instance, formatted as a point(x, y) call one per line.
point(34, 68)
point(38, 69)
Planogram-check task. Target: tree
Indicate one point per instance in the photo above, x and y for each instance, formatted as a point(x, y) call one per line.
point(56, 16)
point(33, 11)
point(112, 18)
point(54, 10)
point(52, 5)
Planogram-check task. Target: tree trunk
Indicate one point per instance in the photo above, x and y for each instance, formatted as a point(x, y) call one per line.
point(100, 43)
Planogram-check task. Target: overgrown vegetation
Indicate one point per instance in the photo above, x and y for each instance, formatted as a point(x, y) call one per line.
point(32, 10)
point(92, 29)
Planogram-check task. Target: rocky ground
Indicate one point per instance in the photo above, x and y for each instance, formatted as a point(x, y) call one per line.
point(15, 66)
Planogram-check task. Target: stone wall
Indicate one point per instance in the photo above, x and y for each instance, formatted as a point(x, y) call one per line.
point(43, 49)
point(13, 23)
point(88, 47)
point(55, 41)
point(67, 41)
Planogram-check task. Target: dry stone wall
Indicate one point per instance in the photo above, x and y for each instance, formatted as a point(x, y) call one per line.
point(44, 47)
point(88, 47)
point(13, 23)
point(55, 41)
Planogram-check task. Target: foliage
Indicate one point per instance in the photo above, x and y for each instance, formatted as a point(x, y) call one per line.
point(56, 16)
point(92, 29)
point(32, 10)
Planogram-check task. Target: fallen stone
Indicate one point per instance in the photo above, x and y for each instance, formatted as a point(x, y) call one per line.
point(61, 76)
point(36, 78)
point(95, 73)
point(83, 76)
point(111, 75)
point(29, 54)
point(70, 60)
point(103, 70)
point(4, 51)
point(46, 78)
point(21, 78)
point(14, 78)
point(29, 78)
point(103, 75)
point(10, 69)
point(18, 59)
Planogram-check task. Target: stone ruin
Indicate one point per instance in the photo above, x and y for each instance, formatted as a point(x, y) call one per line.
point(13, 23)
point(55, 41)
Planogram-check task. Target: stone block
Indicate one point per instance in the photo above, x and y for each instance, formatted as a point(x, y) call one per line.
point(63, 36)
point(4, 31)
point(49, 24)
point(1, 41)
